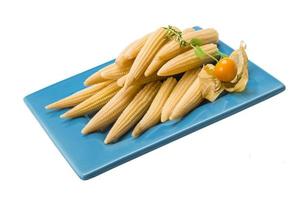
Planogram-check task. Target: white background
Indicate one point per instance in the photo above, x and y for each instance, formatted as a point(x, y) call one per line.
point(254, 154)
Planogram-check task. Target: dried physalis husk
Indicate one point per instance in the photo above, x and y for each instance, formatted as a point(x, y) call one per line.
point(211, 86)
point(239, 83)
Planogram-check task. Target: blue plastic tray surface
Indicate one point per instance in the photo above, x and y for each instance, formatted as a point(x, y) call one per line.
point(89, 156)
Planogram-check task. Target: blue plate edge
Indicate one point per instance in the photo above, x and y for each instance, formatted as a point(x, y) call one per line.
point(77, 171)
point(165, 141)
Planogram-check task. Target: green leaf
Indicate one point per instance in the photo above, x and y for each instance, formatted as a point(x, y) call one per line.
point(196, 42)
point(199, 52)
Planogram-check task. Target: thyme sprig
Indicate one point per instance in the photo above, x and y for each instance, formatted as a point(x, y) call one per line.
point(176, 35)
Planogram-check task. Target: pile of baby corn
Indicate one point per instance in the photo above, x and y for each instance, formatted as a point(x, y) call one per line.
point(140, 90)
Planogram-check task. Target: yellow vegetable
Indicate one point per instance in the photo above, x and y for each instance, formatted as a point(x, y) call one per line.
point(192, 98)
point(115, 72)
point(133, 112)
point(173, 48)
point(121, 81)
point(95, 78)
point(78, 97)
point(110, 72)
point(93, 103)
point(188, 60)
point(206, 36)
point(208, 86)
point(205, 86)
point(141, 81)
point(180, 89)
point(188, 30)
point(155, 41)
point(153, 114)
point(111, 110)
point(131, 51)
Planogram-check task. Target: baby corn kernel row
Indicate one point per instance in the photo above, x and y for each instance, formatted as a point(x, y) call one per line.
point(164, 75)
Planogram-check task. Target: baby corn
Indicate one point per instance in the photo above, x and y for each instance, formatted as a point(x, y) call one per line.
point(131, 51)
point(93, 103)
point(97, 77)
point(206, 36)
point(115, 72)
point(188, 30)
point(121, 81)
point(188, 60)
point(111, 110)
point(180, 89)
point(192, 98)
point(110, 72)
point(173, 48)
point(94, 78)
point(78, 97)
point(153, 114)
point(133, 112)
point(155, 41)
point(140, 81)
point(135, 48)
point(205, 86)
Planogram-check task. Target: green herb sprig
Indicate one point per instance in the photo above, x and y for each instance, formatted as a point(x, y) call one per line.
point(176, 35)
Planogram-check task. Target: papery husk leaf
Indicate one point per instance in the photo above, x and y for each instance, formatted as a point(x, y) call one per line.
point(211, 86)
point(239, 84)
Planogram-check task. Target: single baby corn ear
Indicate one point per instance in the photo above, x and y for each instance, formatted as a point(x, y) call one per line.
point(94, 79)
point(188, 60)
point(97, 77)
point(78, 97)
point(116, 71)
point(93, 103)
point(153, 114)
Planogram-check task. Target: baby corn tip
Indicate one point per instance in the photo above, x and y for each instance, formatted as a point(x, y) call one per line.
point(135, 135)
point(107, 141)
point(147, 73)
point(63, 116)
point(136, 132)
point(161, 73)
point(174, 116)
point(164, 117)
point(48, 106)
point(85, 131)
point(51, 106)
point(94, 78)
point(85, 83)
point(129, 81)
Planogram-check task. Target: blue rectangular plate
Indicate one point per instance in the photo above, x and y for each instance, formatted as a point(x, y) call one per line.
point(89, 156)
